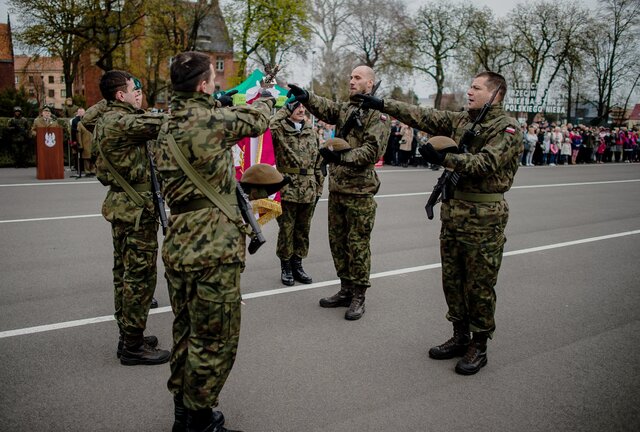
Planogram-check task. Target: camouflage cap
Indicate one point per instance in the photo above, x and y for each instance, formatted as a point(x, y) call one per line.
point(443, 143)
point(337, 144)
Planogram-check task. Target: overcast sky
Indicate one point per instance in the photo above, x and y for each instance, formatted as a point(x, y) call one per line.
point(421, 86)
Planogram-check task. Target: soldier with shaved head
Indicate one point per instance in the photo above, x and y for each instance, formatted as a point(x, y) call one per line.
point(353, 182)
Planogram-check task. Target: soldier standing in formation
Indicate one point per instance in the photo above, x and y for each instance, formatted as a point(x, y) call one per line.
point(296, 147)
point(120, 136)
point(18, 128)
point(473, 222)
point(204, 249)
point(353, 182)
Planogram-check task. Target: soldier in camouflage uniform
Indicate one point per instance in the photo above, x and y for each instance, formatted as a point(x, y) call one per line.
point(353, 182)
point(18, 128)
point(296, 148)
point(120, 137)
point(473, 222)
point(204, 250)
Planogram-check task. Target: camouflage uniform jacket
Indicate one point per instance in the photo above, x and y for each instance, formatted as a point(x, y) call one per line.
point(297, 149)
point(122, 132)
point(204, 238)
point(356, 173)
point(18, 128)
point(93, 113)
point(492, 157)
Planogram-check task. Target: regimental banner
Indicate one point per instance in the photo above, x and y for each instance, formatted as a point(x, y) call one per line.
point(528, 98)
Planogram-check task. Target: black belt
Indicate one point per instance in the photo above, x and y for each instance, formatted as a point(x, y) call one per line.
point(301, 171)
point(138, 187)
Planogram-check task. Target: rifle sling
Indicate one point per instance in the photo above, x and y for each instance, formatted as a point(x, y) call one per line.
point(201, 184)
point(131, 192)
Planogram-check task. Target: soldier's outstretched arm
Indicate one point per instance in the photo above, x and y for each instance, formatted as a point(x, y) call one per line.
point(245, 121)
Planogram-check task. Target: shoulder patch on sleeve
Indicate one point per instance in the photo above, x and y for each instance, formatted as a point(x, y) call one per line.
point(510, 130)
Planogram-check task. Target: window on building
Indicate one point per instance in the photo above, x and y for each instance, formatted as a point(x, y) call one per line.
point(32, 92)
point(61, 79)
point(17, 80)
point(220, 64)
point(63, 93)
point(52, 93)
point(30, 79)
point(51, 80)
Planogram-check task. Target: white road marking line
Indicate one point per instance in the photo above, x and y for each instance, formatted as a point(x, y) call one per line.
point(325, 199)
point(268, 293)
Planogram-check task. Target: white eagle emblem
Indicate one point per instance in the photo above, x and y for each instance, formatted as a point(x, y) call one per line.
point(49, 139)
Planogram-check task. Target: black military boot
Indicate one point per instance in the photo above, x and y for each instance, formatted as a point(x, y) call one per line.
point(136, 352)
point(298, 272)
point(454, 347)
point(180, 415)
point(286, 277)
point(340, 299)
point(356, 308)
point(206, 420)
point(154, 303)
point(475, 357)
point(152, 341)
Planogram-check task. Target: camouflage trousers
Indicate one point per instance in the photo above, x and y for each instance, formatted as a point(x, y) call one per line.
point(471, 244)
point(134, 273)
point(351, 220)
point(206, 331)
point(294, 225)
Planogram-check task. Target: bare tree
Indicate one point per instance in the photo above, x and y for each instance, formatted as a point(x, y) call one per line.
point(327, 21)
point(486, 47)
point(371, 28)
point(613, 53)
point(432, 40)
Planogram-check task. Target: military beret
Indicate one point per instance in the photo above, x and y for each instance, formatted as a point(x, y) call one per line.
point(262, 177)
point(443, 143)
point(337, 144)
point(292, 106)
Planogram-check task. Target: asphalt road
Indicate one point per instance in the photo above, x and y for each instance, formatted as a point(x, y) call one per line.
point(564, 356)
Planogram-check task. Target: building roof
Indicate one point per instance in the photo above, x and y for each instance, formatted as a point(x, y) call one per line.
point(635, 114)
point(213, 35)
point(41, 64)
point(6, 46)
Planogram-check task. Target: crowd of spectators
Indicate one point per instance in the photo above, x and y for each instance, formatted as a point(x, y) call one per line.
point(551, 144)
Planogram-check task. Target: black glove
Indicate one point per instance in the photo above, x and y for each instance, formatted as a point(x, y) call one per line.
point(431, 155)
point(330, 156)
point(369, 102)
point(225, 99)
point(297, 94)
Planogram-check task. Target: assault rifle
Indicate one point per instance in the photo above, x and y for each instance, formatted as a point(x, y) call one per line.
point(446, 184)
point(257, 238)
point(355, 117)
point(158, 200)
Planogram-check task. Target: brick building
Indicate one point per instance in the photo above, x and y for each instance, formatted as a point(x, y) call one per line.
point(213, 39)
point(42, 79)
point(7, 80)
